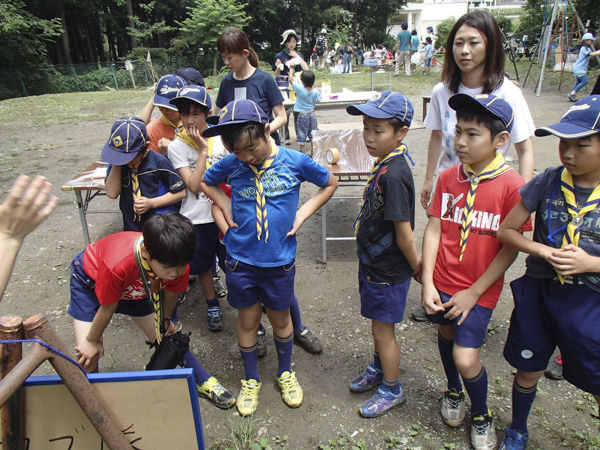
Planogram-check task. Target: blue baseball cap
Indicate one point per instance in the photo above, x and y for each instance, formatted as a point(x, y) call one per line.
point(191, 76)
point(430, 28)
point(484, 103)
point(385, 105)
point(235, 113)
point(194, 93)
point(167, 88)
point(581, 120)
point(128, 137)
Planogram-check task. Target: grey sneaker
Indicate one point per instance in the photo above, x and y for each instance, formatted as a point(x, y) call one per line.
point(308, 341)
point(262, 343)
point(214, 318)
point(483, 435)
point(419, 315)
point(453, 408)
point(220, 287)
point(555, 369)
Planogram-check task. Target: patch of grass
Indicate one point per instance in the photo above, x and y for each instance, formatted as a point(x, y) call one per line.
point(244, 437)
point(345, 443)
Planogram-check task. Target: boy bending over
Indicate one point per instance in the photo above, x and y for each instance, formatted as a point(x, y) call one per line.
point(463, 261)
point(263, 218)
point(386, 247)
point(556, 301)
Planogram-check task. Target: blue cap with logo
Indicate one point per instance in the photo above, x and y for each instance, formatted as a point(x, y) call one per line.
point(128, 137)
point(194, 93)
point(234, 114)
point(385, 105)
point(581, 120)
point(167, 88)
point(484, 103)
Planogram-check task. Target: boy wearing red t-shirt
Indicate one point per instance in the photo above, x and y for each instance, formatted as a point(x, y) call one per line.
point(105, 280)
point(463, 260)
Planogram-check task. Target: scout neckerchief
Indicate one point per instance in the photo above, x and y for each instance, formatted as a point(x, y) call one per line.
point(261, 207)
point(567, 187)
point(495, 168)
point(402, 150)
point(136, 190)
point(153, 293)
point(168, 122)
point(181, 133)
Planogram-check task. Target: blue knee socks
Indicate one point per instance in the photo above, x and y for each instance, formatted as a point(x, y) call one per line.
point(477, 388)
point(190, 361)
point(445, 347)
point(284, 347)
point(377, 361)
point(250, 358)
point(295, 314)
point(522, 399)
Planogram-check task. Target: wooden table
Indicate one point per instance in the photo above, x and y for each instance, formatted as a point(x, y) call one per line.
point(85, 182)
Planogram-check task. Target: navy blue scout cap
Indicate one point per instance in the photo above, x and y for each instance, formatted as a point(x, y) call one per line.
point(235, 113)
point(581, 120)
point(385, 105)
point(191, 76)
point(167, 88)
point(484, 103)
point(196, 94)
point(128, 137)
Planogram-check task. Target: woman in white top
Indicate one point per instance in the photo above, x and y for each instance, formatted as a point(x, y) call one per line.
point(476, 67)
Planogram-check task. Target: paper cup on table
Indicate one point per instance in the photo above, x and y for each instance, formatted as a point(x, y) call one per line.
point(333, 156)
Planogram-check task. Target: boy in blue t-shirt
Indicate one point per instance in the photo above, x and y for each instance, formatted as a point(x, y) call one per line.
point(386, 249)
point(429, 51)
point(145, 182)
point(263, 218)
point(556, 301)
point(304, 108)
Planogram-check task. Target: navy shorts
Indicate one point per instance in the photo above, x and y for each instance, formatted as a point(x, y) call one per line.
point(471, 333)
point(548, 314)
point(84, 302)
point(306, 123)
point(207, 246)
point(380, 300)
point(247, 285)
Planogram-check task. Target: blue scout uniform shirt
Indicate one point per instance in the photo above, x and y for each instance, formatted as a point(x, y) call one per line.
point(283, 56)
point(282, 190)
point(156, 176)
point(260, 87)
point(536, 196)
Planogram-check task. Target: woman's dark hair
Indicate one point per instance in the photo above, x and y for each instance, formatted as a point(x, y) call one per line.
point(493, 72)
point(243, 134)
point(170, 239)
point(234, 40)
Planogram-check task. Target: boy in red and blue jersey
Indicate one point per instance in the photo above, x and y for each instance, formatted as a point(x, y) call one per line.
point(556, 301)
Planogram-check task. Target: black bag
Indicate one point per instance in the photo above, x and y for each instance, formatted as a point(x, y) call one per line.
point(320, 46)
point(169, 353)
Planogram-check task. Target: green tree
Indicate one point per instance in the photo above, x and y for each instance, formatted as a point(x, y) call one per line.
point(442, 31)
point(207, 20)
point(24, 36)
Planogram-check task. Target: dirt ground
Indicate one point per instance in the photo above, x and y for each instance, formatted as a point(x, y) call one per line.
point(329, 301)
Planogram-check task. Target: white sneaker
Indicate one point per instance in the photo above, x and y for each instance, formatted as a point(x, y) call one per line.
point(483, 435)
point(453, 408)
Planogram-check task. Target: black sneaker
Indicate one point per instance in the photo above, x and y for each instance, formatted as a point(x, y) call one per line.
point(262, 343)
point(214, 320)
point(308, 341)
point(183, 296)
point(419, 315)
point(220, 287)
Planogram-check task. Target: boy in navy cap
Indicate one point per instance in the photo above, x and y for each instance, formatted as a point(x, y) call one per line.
point(191, 155)
point(161, 130)
point(463, 261)
point(386, 249)
point(263, 219)
point(556, 301)
point(146, 182)
point(191, 76)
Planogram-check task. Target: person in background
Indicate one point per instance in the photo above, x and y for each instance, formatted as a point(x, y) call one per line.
point(403, 50)
point(360, 49)
point(191, 76)
point(414, 46)
point(581, 65)
point(322, 48)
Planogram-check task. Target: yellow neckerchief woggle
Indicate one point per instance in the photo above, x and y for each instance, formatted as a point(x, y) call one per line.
point(402, 150)
point(155, 292)
point(181, 133)
point(573, 227)
point(261, 208)
point(137, 192)
point(493, 169)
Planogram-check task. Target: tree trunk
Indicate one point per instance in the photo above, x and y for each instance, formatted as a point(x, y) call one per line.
point(65, 35)
point(131, 23)
point(215, 56)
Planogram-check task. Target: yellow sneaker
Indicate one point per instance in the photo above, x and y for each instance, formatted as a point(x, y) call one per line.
point(291, 392)
point(221, 397)
point(247, 401)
